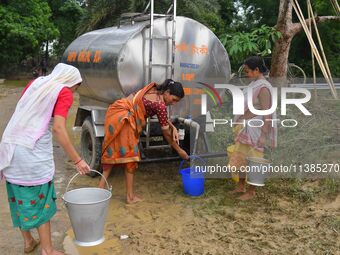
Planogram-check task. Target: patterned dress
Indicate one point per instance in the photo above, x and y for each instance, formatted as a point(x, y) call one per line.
point(124, 121)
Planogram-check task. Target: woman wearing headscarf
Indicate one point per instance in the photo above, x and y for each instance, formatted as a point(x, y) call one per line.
point(250, 141)
point(26, 153)
point(124, 121)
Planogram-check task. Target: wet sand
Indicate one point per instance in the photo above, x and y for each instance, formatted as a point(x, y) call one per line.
point(169, 222)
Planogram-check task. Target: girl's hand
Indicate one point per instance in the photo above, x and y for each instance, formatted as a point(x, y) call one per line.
point(82, 167)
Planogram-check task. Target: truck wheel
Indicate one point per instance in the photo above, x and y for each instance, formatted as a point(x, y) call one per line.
point(91, 146)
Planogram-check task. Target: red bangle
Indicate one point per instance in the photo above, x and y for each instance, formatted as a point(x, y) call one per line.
point(78, 161)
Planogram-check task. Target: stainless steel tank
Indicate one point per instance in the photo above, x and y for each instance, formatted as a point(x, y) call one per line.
point(115, 61)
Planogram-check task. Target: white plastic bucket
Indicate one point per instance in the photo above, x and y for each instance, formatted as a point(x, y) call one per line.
point(87, 210)
point(258, 171)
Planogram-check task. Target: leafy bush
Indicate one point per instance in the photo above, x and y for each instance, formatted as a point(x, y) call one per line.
point(241, 45)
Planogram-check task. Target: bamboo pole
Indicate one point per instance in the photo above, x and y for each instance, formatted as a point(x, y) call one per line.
point(336, 7)
point(299, 13)
point(321, 46)
point(332, 2)
point(312, 55)
point(324, 63)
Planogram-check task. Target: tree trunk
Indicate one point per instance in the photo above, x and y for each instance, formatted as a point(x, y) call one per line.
point(279, 63)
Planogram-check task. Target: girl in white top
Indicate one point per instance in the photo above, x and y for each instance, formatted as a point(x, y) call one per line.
point(250, 140)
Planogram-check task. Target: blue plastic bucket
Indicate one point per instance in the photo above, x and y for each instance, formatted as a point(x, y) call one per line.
point(193, 182)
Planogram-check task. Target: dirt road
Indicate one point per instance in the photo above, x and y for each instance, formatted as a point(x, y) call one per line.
point(283, 219)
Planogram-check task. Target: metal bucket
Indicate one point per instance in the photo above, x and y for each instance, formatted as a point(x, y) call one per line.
point(258, 171)
point(87, 210)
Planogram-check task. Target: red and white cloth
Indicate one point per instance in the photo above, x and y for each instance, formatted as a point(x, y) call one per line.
point(250, 135)
point(29, 124)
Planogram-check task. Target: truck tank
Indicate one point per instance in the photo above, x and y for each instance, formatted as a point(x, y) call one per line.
point(114, 62)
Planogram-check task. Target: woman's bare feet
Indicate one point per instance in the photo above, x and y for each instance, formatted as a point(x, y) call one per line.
point(248, 195)
point(238, 190)
point(133, 199)
point(57, 253)
point(53, 252)
point(241, 187)
point(31, 245)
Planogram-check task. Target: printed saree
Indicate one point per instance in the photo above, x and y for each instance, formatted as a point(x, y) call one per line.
point(124, 122)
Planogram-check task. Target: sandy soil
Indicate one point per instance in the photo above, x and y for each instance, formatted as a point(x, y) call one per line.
point(168, 222)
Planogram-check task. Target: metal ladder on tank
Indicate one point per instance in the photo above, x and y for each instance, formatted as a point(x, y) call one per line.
point(167, 66)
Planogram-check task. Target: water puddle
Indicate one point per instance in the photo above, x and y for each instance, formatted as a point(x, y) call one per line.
point(111, 245)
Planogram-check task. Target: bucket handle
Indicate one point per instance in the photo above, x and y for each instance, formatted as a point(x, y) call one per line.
point(76, 175)
point(190, 157)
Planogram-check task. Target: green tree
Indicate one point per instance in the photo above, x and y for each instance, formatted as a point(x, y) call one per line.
point(227, 12)
point(252, 14)
point(205, 12)
point(330, 36)
point(65, 15)
point(256, 13)
point(289, 29)
point(243, 44)
point(24, 26)
point(104, 13)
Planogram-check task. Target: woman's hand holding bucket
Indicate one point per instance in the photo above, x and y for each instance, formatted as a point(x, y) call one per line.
point(183, 154)
point(82, 167)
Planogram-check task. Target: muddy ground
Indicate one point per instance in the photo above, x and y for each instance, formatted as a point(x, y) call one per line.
point(286, 217)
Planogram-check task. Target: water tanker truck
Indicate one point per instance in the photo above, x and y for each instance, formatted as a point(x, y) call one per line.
point(143, 48)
